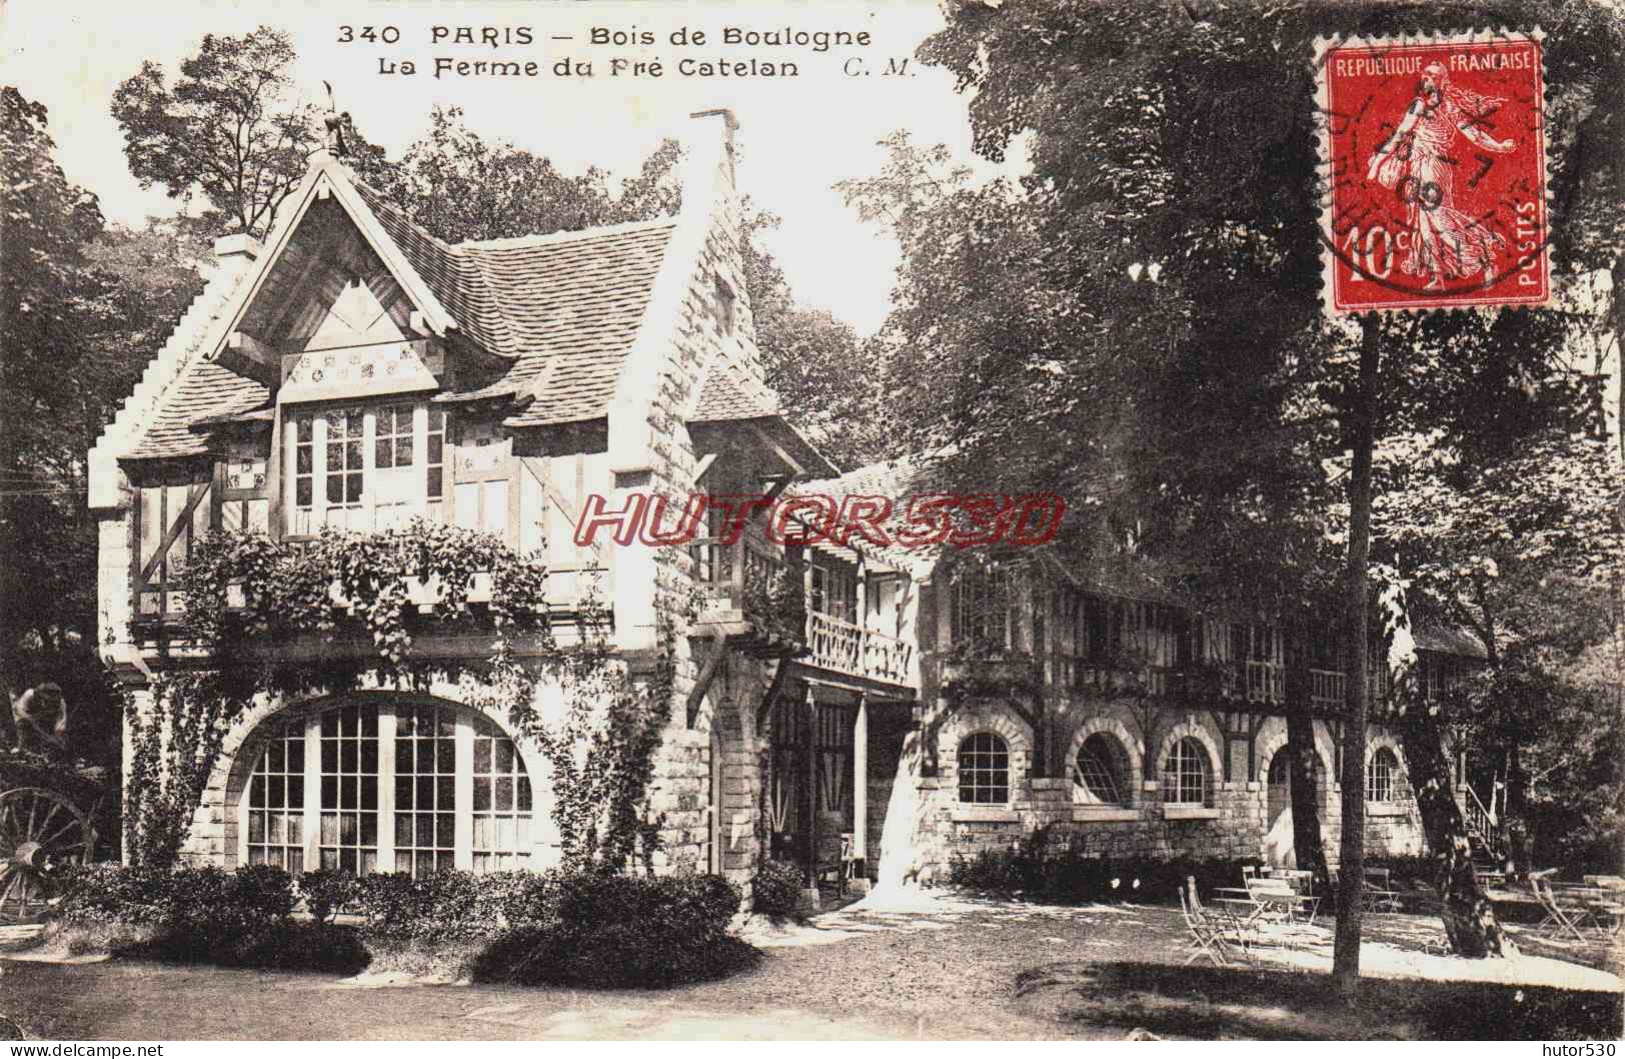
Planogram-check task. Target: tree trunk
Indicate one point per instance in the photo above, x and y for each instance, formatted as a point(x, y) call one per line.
point(1469, 918)
point(1516, 811)
point(1307, 845)
point(1351, 860)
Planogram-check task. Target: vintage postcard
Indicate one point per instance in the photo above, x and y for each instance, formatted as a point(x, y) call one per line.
point(882, 520)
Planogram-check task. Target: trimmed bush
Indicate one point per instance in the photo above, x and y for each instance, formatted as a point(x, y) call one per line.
point(326, 893)
point(626, 931)
point(574, 929)
point(236, 919)
point(1062, 874)
point(455, 905)
point(776, 889)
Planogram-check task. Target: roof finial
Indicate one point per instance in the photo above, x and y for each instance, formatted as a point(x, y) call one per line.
point(336, 123)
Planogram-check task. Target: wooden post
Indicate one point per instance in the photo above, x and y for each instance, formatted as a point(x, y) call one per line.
point(809, 772)
point(860, 778)
point(861, 620)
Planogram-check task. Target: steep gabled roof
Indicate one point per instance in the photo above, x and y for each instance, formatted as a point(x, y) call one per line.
point(729, 396)
point(561, 310)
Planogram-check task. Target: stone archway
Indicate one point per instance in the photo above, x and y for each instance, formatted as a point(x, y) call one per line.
point(219, 833)
point(1275, 771)
point(1131, 749)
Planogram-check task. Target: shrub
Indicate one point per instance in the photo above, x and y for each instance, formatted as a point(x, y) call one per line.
point(1042, 869)
point(455, 905)
point(326, 893)
point(618, 930)
point(776, 889)
point(234, 918)
point(1407, 869)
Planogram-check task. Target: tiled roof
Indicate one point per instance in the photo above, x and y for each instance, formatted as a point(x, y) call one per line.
point(572, 304)
point(1450, 640)
point(203, 391)
point(729, 395)
point(562, 309)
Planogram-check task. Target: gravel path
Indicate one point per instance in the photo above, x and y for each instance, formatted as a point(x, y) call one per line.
point(901, 969)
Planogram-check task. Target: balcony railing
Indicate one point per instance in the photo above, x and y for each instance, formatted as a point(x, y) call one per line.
point(748, 580)
point(847, 648)
point(1266, 682)
point(1328, 688)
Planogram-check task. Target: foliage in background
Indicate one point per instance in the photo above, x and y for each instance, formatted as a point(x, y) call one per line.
point(83, 308)
point(231, 126)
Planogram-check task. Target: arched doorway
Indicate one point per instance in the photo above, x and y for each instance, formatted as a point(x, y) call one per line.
point(1278, 834)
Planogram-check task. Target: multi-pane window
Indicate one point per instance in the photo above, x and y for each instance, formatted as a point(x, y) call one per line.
point(276, 801)
point(425, 789)
point(834, 592)
point(1379, 776)
point(349, 786)
point(344, 470)
point(411, 787)
point(984, 769)
point(501, 801)
point(436, 460)
point(1184, 777)
point(365, 468)
point(1100, 778)
point(983, 602)
point(304, 474)
point(393, 441)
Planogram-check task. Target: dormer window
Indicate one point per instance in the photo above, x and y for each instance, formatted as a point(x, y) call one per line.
point(365, 467)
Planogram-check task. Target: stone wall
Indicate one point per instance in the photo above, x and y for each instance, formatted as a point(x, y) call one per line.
point(1232, 823)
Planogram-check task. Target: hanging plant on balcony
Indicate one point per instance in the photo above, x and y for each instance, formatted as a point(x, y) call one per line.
point(976, 668)
point(776, 604)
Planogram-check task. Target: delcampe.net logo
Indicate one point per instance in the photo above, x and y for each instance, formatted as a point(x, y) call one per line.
point(923, 521)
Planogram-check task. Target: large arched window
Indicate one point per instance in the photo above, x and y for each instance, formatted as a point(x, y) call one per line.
point(1101, 773)
point(388, 786)
point(1379, 776)
point(1185, 776)
point(984, 769)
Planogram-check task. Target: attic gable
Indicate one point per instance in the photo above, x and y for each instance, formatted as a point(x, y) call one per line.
point(333, 278)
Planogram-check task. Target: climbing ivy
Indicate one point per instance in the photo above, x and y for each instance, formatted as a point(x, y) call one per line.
point(283, 619)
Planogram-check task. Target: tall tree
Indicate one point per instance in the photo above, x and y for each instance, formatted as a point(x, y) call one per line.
point(231, 127)
point(83, 308)
point(1173, 206)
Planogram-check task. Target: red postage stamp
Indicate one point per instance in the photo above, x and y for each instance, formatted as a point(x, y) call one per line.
point(1433, 155)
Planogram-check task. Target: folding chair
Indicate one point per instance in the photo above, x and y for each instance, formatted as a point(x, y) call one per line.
point(1558, 923)
point(1206, 939)
point(1233, 928)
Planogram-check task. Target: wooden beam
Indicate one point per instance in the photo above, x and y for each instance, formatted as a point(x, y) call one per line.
point(704, 466)
point(809, 772)
point(247, 355)
point(199, 489)
point(778, 450)
point(772, 695)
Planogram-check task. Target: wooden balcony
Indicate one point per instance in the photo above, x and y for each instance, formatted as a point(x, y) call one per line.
point(843, 647)
point(759, 599)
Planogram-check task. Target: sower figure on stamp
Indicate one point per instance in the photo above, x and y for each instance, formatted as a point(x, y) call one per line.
point(1445, 243)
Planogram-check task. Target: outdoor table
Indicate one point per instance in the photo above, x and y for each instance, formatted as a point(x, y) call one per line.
point(1265, 901)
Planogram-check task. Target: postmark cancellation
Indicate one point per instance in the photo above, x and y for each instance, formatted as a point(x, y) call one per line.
point(1434, 169)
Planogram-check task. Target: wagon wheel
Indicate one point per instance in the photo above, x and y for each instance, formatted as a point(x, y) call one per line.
point(41, 833)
